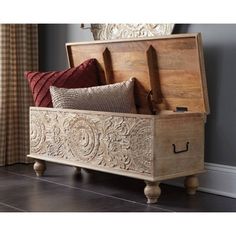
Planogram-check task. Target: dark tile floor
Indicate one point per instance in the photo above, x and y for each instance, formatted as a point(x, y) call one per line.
point(62, 189)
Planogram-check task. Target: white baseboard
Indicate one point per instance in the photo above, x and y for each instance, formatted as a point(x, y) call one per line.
point(218, 179)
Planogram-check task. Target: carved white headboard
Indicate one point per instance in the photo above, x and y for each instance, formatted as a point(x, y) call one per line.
point(124, 31)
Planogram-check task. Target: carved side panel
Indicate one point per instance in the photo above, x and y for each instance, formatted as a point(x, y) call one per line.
point(102, 140)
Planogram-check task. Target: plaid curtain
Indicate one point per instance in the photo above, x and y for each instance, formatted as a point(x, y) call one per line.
point(18, 53)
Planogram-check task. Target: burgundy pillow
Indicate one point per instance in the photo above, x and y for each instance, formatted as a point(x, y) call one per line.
point(83, 76)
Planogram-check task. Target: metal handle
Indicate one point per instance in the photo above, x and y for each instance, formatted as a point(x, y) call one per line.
point(184, 150)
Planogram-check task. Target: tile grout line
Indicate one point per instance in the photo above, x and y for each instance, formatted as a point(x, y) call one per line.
point(86, 190)
point(12, 207)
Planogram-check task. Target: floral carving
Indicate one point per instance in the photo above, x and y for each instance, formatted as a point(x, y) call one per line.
point(37, 135)
point(55, 144)
point(114, 146)
point(117, 142)
point(122, 31)
point(82, 138)
point(141, 146)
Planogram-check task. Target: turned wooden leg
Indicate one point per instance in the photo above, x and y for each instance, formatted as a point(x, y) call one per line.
point(39, 167)
point(152, 191)
point(191, 184)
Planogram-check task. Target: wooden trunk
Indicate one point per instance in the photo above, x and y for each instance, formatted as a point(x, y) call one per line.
point(150, 147)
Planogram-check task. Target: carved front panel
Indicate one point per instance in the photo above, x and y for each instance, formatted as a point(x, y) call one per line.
point(101, 139)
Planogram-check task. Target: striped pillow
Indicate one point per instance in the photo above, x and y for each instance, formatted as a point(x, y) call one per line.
point(84, 75)
point(118, 97)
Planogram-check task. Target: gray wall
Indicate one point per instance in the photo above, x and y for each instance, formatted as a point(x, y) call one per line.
point(219, 43)
point(52, 39)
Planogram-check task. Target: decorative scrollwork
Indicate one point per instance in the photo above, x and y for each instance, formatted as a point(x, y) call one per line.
point(37, 134)
point(55, 144)
point(83, 139)
point(123, 31)
point(140, 145)
point(115, 145)
point(102, 140)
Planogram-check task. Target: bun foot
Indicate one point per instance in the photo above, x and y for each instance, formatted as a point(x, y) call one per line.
point(39, 167)
point(191, 184)
point(152, 191)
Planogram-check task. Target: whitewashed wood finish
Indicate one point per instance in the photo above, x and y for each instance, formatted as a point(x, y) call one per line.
point(191, 184)
point(39, 167)
point(152, 191)
point(148, 147)
point(134, 145)
point(178, 129)
point(119, 31)
point(104, 140)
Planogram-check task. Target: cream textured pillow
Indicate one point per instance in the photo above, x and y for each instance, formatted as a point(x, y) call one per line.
point(118, 97)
